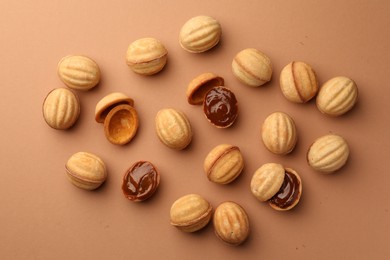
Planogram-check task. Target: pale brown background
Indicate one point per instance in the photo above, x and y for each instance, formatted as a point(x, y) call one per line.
point(43, 216)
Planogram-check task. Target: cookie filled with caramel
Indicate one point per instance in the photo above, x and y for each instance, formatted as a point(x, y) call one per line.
point(219, 103)
point(220, 107)
point(140, 181)
point(280, 187)
point(289, 193)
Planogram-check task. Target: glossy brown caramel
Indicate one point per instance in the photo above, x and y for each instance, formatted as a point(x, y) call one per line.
point(220, 107)
point(140, 181)
point(288, 193)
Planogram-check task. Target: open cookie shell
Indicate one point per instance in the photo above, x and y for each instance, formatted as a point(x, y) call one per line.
point(108, 102)
point(121, 124)
point(199, 86)
point(279, 186)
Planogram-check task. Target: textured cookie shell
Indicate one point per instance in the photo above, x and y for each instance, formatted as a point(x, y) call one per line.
point(223, 164)
point(231, 223)
point(267, 180)
point(173, 128)
point(337, 96)
point(61, 108)
point(252, 67)
point(328, 153)
point(78, 72)
point(200, 34)
point(298, 82)
point(279, 133)
point(190, 213)
point(146, 56)
point(86, 170)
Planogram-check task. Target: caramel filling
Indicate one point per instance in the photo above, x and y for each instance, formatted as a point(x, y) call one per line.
point(220, 106)
point(140, 181)
point(288, 193)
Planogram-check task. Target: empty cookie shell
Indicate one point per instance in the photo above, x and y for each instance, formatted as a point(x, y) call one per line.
point(281, 187)
point(104, 106)
point(199, 86)
point(121, 124)
point(220, 107)
point(140, 181)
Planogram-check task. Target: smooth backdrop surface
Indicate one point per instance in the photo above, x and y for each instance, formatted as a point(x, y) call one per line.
point(43, 216)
